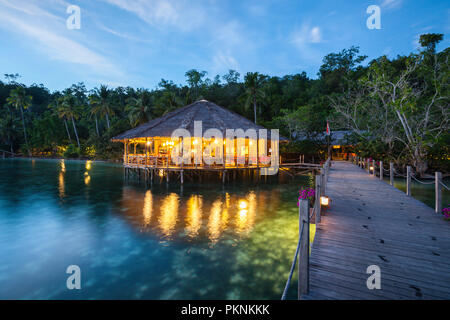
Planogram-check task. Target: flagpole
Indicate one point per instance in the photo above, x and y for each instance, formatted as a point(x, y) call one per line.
point(329, 140)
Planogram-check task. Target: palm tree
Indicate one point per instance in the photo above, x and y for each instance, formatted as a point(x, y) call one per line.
point(101, 103)
point(139, 108)
point(68, 109)
point(19, 99)
point(93, 110)
point(253, 82)
point(7, 130)
point(57, 108)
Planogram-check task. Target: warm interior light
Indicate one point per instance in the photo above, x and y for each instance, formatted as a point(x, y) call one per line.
point(195, 141)
point(324, 201)
point(242, 204)
point(148, 143)
point(371, 168)
point(251, 143)
point(215, 141)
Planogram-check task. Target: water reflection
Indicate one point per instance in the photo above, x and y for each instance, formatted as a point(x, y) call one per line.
point(61, 183)
point(193, 217)
point(169, 214)
point(215, 221)
point(148, 208)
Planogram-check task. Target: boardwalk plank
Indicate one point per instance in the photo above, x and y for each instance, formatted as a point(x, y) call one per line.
point(370, 222)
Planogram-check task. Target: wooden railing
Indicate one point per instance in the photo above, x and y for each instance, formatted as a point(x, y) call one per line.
point(142, 160)
point(303, 244)
point(371, 167)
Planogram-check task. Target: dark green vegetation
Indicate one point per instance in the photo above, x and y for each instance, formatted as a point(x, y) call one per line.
point(397, 109)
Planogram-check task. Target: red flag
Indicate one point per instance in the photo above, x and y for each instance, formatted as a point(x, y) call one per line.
point(328, 129)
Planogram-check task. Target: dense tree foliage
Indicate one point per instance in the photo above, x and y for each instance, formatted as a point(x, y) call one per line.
point(397, 109)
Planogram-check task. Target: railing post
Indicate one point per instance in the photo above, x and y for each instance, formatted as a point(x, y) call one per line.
point(323, 183)
point(438, 191)
point(391, 173)
point(368, 165)
point(318, 195)
point(408, 180)
point(381, 170)
point(303, 259)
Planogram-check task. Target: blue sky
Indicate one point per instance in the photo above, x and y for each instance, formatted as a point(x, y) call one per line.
point(138, 42)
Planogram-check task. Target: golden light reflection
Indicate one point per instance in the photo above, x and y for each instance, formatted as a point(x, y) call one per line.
point(88, 165)
point(148, 207)
point(169, 214)
point(61, 185)
point(214, 223)
point(63, 165)
point(194, 215)
point(87, 178)
point(225, 213)
point(245, 218)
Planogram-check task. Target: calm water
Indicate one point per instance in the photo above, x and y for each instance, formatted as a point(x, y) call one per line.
point(424, 192)
point(199, 242)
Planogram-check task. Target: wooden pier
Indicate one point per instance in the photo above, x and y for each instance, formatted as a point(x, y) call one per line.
point(370, 223)
point(180, 173)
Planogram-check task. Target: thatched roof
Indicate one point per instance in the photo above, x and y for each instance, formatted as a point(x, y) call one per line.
point(211, 115)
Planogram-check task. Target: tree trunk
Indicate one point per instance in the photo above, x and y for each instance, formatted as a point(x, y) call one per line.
point(67, 130)
point(96, 126)
point(76, 133)
point(107, 121)
point(254, 107)
point(25, 132)
point(420, 163)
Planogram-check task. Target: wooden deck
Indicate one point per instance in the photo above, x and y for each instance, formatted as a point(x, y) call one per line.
point(372, 223)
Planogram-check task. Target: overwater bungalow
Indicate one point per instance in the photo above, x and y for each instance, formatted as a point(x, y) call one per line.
point(199, 136)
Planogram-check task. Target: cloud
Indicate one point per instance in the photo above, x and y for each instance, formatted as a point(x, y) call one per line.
point(42, 30)
point(223, 62)
point(180, 14)
point(121, 34)
point(391, 4)
point(307, 34)
point(305, 39)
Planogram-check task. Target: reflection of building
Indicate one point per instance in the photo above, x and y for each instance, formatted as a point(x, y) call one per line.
point(151, 145)
point(196, 218)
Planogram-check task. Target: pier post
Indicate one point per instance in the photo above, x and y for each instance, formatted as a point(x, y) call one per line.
point(181, 177)
point(224, 175)
point(318, 195)
point(381, 170)
point(408, 180)
point(303, 258)
point(323, 183)
point(438, 192)
point(373, 166)
point(391, 173)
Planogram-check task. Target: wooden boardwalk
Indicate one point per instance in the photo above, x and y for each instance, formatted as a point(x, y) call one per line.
point(372, 223)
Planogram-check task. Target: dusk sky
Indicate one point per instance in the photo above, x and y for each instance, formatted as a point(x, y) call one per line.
point(138, 42)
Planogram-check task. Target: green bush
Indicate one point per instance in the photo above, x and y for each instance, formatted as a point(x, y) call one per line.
point(72, 152)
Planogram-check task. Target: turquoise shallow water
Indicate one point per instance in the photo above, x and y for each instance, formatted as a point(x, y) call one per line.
point(166, 242)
